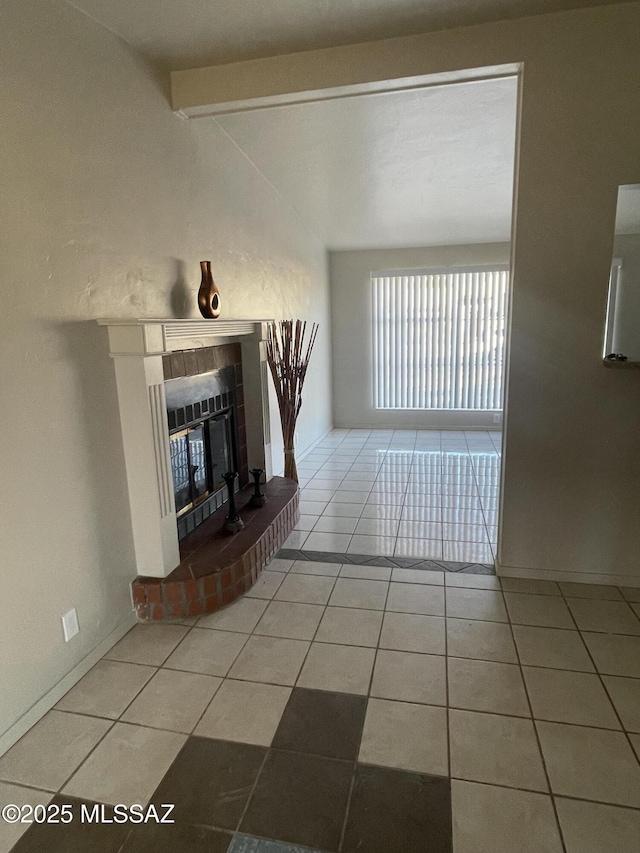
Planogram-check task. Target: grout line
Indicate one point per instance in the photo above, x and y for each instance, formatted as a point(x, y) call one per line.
point(446, 675)
point(253, 789)
point(601, 679)
point(535, 728)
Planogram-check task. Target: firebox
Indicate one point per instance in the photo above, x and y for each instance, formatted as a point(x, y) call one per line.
point(202, 443)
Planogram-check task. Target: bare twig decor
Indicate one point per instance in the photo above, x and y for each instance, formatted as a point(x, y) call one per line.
point(288, 356)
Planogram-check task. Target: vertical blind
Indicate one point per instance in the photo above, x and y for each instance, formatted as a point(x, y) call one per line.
point(439, 338)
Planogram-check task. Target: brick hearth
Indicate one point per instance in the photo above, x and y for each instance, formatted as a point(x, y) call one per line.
point(217, 568)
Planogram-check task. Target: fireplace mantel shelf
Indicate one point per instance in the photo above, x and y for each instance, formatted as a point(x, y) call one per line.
point(158, 336)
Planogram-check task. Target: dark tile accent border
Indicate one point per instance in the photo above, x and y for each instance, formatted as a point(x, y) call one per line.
point(388, 562)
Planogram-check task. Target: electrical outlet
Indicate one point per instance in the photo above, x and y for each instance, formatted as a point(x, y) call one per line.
point(497, 419)
point(70, 625)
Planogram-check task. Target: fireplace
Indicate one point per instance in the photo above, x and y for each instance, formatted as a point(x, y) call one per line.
point(202, 416)
point(194, 404)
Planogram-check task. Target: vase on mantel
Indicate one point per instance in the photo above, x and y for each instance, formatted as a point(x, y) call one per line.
point(208, 295)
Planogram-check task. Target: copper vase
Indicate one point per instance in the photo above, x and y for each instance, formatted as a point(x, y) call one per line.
point(208, 295)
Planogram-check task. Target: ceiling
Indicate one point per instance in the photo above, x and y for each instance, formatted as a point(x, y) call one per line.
point(179, 34)
point(429, 167)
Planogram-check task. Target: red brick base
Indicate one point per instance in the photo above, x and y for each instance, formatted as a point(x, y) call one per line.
point(217, 568)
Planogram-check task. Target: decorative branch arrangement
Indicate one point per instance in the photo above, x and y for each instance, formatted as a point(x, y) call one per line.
point(288, 355)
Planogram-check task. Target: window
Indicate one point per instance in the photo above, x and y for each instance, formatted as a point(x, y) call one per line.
point(439, 337)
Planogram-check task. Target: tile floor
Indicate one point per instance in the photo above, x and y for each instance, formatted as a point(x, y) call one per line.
point(404, 493)
point(394, 711)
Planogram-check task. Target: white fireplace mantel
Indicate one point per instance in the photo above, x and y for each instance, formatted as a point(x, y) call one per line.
point(137, 347)
point(159, 337)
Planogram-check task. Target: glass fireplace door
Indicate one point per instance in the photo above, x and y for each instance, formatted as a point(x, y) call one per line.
point(189, 467)
point(200, 455)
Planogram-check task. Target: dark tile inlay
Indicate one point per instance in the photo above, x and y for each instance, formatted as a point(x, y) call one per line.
point(210, 781)
point(74, 837)
point(387, 562)
point(393, 811)
point(301, 799)
point(176, 838)
point(322, 723)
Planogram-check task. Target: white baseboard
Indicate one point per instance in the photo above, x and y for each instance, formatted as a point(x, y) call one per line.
point(13, 734)
point(569, 577)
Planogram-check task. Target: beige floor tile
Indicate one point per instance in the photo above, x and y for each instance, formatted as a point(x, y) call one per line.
point(488, 819)
point(591, 590)
point(279, 565)
point(290, 620)
point(495, 749)
point(552, 647)
point(596, 828)
point(480, 685)
point(344, 669)
point(207, 651)
point(611, 617)
point(267, 585)
point(416, 598)
point(148, 644)
point(245, 711)
point(350, 627)
point(635, 742)
point(625, 694)
point(106, 689)
point(127, 766)
point(592, 764)
point(335, 524)
point(49, 753)
point(471, 581)
point(614, 654)
point(16, 796)
point(312, 567)
point(410, 677)
point(486, 605)
point(369, 595)
point(405, 736)
point(307, 589)
point(377, 526)
point(470, 638)
point(319, 542)
point(423, 549)
point(340, 510)
point(418, 576)
point(173, 700)
point(530, 585)
point(467, 552)
point(569, 697)
point(270, 660)
point(370, 573)
point(411, 632)
point(241, 616)
point(545, 611)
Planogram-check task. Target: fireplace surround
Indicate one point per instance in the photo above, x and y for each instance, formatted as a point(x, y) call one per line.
point(227, 358)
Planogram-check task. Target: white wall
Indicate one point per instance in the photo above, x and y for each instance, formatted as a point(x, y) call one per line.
point(626, 340)
point(572, 455)
point(352, 328)
point(109, 202)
